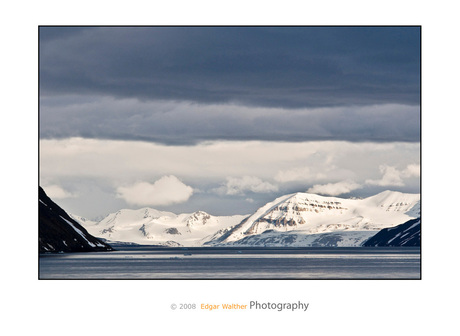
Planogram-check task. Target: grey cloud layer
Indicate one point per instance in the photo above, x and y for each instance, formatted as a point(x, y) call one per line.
point(186, 124)
point(182, 85)
point(283, 67)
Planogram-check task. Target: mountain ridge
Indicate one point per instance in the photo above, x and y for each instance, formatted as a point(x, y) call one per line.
point(154, 227)
point(297, 219)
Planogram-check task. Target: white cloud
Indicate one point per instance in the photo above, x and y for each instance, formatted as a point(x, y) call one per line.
point(313, 162)
point(239, 185)
point(412, 170)
point(57, 192)
point(334, 189)
point(89, 166)
point(295, 174)
point(165, 191)
point(391, 176)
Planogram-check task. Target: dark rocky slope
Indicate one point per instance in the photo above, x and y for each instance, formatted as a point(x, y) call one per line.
point(406, 234)
point(58, 232)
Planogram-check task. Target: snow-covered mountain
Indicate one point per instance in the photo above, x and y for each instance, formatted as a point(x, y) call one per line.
point(304, 219)
point(154, 227)
point(299, 219)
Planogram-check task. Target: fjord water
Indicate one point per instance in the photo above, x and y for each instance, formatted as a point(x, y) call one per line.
point(143, 262)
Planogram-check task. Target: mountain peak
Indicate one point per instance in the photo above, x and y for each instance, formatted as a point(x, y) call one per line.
point(198, 218)
point(394, 200)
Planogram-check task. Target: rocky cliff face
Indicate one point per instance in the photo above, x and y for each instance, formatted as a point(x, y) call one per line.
point(58, 232)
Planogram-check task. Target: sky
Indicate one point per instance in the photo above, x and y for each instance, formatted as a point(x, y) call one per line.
point(225, 119)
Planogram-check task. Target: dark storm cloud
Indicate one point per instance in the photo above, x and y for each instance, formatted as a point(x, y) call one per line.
point(289, 67)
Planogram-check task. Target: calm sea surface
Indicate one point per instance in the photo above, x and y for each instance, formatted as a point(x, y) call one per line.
point(143, 262)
